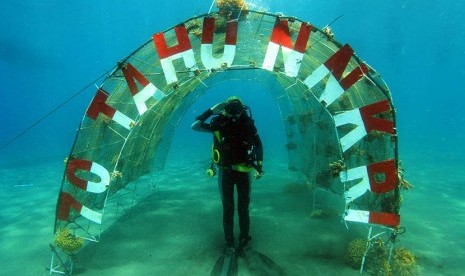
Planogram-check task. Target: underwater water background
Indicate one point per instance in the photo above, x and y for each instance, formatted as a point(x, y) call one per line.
point(49, 50)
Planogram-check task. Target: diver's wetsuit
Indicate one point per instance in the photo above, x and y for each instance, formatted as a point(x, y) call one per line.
point(234, 140)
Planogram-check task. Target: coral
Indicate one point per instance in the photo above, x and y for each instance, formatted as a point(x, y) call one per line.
point(193, 25)
point(355, 251)
point(197, 33)
point(336, 167)
point(404, 184)
point(327, 30)
point(404, 262)
point(294, 26)
point(377, 262)
point(385, 268)
point(67, 241)
point(116, 174)
point(232, 9)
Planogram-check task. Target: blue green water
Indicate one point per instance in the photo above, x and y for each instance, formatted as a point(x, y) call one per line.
point(49, 50)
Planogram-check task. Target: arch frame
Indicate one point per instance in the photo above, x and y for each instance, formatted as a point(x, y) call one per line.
point(327, 89)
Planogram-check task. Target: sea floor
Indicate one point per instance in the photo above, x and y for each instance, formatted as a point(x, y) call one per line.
point(176, 229)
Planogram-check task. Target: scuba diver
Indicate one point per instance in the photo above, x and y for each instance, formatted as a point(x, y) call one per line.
point(237, 151)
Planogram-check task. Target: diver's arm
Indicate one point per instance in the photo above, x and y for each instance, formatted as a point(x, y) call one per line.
point(200, 125)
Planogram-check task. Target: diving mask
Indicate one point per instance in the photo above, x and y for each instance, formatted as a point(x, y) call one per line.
point(234, 108)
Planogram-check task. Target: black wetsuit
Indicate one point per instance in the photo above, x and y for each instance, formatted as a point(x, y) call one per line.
point(235, 139)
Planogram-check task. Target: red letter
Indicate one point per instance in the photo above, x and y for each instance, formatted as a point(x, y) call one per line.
point(389, 182)
point(206, 50)
point(99, 105)
point(92, 167)
point(162, 48)
point(372, 123)
point(292, 56)
point(168, 54)
point(140, 96)
point(384, 218)
point(336, 65)
point(66, 202)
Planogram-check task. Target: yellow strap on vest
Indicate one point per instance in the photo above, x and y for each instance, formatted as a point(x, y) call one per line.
point(216, 156)
point(242, 167)
point(217, 135)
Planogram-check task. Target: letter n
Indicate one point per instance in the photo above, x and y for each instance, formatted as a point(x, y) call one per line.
point(373, 123)
point(335, 67)
point(292, 56)
point(364, 121)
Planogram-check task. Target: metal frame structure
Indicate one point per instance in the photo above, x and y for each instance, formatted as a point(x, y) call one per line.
point(324, 89)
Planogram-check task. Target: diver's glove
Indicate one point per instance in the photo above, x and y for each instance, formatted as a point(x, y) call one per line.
point(217, 108)
point(259, 169)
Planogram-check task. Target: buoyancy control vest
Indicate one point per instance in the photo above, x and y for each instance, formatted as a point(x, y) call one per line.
point(233, 142)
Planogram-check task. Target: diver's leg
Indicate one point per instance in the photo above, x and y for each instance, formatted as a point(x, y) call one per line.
point(227, 187)
point(243, 201)
point(220, 183)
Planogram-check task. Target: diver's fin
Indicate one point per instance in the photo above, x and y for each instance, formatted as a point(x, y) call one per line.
point(259, 264)
point(226, 265)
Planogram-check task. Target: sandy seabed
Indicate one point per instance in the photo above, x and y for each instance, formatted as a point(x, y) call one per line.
point(177, 229)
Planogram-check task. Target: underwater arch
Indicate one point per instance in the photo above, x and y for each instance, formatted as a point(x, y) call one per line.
point(337, 112)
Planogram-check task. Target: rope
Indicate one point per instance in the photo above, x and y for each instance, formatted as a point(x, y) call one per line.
point(211, 6)
point(48, 114)
point(336, 19)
